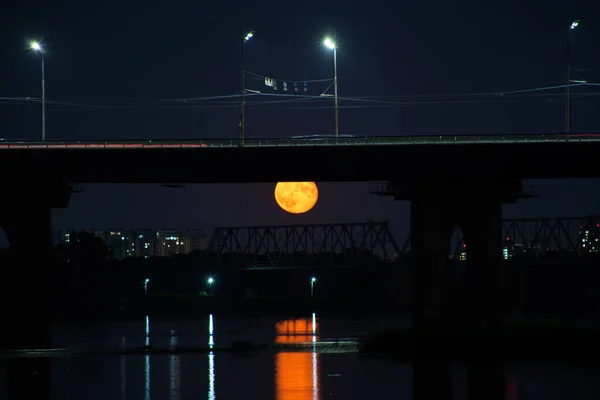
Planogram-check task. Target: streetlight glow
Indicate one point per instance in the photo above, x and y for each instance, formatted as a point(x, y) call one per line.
point(329, 43)
point(210, 281)
point(37, 47)
point(575, 24)
point(242, 125)
point(572, 27)
point(313, 279)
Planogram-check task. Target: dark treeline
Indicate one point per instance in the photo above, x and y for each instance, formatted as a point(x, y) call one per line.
point(85, 279)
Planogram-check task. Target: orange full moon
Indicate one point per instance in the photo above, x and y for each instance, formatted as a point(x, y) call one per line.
point(296, 197)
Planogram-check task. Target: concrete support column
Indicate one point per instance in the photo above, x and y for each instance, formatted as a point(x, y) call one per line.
point(26, 278)
point(476, 207)
point(25, 306)
point(481, 224)
point(25, 285)
point(431, 228)
point(432, 380)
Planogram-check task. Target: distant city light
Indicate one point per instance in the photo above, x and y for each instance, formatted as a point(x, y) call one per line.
point(145, 243)
point(575, 24)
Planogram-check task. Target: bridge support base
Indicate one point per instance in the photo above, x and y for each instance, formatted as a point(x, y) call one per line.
point(438, 299)
point(440, 302)
point(26, 312)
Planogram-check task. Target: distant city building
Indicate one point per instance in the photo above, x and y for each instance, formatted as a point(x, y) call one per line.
point(590, 235)
point(62, 237)
point(169, 243)
point(126, 243)
point(462, 256)
point(196, 240)
point(508, 248)
point(172, 242)
point(120, 244)
point(143, 243)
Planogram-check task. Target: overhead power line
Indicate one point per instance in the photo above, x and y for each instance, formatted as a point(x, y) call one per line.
point(284, 100)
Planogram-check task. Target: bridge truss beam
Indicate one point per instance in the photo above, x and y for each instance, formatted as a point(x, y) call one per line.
point(372, 243)
point(310, 245)
point(575, 235)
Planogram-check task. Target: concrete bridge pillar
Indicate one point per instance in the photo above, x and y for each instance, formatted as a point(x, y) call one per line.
point(481, 224)
point(431, 229)
point(25, 277)
point(475, 207)
point(439, 303)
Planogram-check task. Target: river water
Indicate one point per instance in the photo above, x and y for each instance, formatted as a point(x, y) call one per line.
point(301, 367)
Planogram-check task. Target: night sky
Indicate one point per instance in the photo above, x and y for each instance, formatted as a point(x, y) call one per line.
point(429, 67)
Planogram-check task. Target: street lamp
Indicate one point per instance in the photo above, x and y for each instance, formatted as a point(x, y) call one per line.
point(36, 46)
point(210, 283)
point(572, 27)
point(146, 282)
point(244, 39)
point(329, 43)
point(312, 286)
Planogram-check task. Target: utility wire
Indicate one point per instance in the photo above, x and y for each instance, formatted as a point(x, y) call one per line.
point(208, 101)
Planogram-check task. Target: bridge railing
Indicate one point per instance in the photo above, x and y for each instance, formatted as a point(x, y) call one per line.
point(301, 142)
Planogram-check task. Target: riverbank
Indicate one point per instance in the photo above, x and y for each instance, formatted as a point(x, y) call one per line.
point(190, 307)
point(515, 341)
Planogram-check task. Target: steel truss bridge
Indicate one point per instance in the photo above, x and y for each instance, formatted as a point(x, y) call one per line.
point(326, 244)
point(567, 234)
point(372, 243)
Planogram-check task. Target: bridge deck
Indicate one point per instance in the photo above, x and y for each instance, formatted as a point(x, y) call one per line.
point(442, 159)
point(301, 142)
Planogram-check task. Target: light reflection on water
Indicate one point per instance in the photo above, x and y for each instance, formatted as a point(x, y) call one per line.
point(293, 373)
point(211, 360)
point(297, 372)
point(211, 339)
point(123, 370)
point(211, 376)
point(147, 364)
point(175, 370)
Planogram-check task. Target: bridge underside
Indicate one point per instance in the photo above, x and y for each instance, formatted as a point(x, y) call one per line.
point(550, 160)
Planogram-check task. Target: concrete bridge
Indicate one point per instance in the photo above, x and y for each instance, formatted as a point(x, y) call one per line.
point(450, 180)
point(318, 159)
